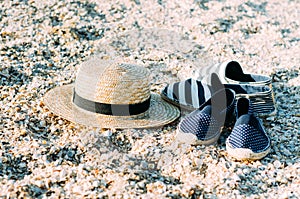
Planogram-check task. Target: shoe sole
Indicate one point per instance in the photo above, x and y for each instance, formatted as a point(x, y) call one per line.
point(245, 154)
point(192, 139)
point(264, 115)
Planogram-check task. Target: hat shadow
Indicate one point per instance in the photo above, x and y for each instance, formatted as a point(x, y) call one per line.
point(116, 150)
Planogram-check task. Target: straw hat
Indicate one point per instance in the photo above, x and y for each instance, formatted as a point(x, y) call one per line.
point(110, 94)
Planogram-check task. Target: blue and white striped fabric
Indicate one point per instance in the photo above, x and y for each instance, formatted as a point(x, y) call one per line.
point(190, 94)
point(230, 72)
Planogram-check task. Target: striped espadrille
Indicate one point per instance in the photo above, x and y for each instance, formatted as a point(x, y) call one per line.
point(248, 139)
point(190, 94)
point(231, 72)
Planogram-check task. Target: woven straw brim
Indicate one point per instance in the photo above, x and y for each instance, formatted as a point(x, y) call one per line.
point(59, 101)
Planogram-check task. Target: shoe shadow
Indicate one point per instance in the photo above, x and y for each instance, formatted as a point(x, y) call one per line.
point(279, 167)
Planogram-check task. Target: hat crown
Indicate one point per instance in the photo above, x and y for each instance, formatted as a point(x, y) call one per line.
point(112, 83)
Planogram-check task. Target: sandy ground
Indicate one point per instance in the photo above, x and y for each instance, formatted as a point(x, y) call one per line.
point(43, 43)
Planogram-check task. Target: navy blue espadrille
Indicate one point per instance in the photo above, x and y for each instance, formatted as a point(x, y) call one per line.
point(203, 125)
point(248, 139)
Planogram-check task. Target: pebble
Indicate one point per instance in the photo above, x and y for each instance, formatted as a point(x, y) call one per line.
point(277, 164)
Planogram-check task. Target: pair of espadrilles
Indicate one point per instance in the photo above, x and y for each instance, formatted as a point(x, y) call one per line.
point(223, 95)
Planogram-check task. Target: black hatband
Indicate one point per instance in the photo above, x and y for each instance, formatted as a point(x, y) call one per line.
point(111, 109)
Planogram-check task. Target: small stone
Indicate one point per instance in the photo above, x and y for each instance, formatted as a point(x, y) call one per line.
point(246, 171)
point(42, 123)
point(277, 164)
point(39, 183)
point(198, 162)
point(141, 184)
point(23, 132)
point(144, 165)
point(271, 118)
point(236, 178)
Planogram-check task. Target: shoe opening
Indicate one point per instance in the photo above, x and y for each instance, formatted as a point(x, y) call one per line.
point(243, 105)
point(235, 72)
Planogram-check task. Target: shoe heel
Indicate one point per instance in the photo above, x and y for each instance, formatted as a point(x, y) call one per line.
point(230, 117)
point(229, 122)
point(263, 103)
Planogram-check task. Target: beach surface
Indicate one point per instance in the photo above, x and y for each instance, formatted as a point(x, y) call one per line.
point(42, 45)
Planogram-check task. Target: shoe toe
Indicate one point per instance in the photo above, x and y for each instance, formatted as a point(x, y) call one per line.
point(247, 137)
point(202, 125)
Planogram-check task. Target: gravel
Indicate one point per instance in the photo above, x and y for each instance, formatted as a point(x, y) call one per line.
point(43, 43)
